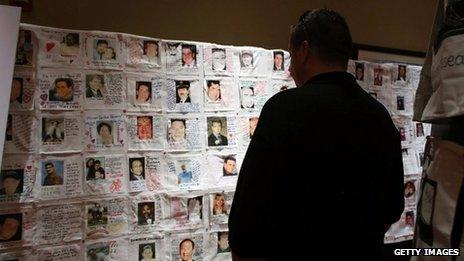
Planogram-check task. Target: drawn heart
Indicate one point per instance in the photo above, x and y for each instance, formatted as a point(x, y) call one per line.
point(28, 167)
point(50, 46)
point(44, 97)
point(93, 141)
point(71, 61)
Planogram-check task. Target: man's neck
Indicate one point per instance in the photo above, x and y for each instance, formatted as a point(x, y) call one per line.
point(317, 69)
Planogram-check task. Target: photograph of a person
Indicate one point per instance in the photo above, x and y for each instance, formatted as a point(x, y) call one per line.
point(11, 227)
point(9, 128)
point(145, 127)
point(409, 189)
point(52, 129)
point(136, 168)
point(183, 92)
point(177, 133)
point(246, 59)
point(278, 61)
point(252, 123)
point(96, 215)
point(247, 95)
point(195, 209)
point(400, 103)
point(185, 176)
point(69, 46)
point(378, 78)
point(94, 86)
point(52, 173)
point(150, 51)
point(419, 129)
point(24, 48)
point(146, 213)
point(229, 168)
point(213, 91)
point(219, 204)
point(98, 253)
point(147, 252)
point(189, 55)
point(359, 68)
point(12, 182)
point(219, 59)
point(172, 53)
point(223, 242)
point(186, 249)
point(401, 73)
point(217, 131)
point(409, 218)
point(142, 92)
point(62, 90)
point(94, 168)
point(16, 95)
point(402, 133)
point(105, 133)
point(103, 50)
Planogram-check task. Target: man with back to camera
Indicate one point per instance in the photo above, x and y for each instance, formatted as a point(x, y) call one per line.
point(306, 118)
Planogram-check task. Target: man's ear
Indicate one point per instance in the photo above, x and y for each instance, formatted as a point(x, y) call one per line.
point(305, 50)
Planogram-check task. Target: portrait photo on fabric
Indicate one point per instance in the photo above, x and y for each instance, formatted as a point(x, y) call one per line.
point(52, 172)
point(24, 48)
point(104, 49)
point(95, 168)
point(218, 59)
point(17, 89)
point(11, 227)
point(147, 252)
point(53, 130)
point(94, 86)
point(151, 51)
point(246, 59)
point(359, 71)
point(70, 45)
point(146, 213)
point(189, 55)
point(185, 174)
point(401, 73)
point(213, 91)
point(97, 214)
point(11, 182)
point(137, 168)
point(378, 77)
point(99, 252)
point(145, 127)
point(183, 92)
point(217, 131)
point(105, 130)
point(62, 90)
point(143, 92)
point(279, 61)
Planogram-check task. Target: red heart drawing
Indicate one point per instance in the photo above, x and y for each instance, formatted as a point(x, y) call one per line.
point(93, 140)
point(28, 167)
point(44, 97)
point(50, 46)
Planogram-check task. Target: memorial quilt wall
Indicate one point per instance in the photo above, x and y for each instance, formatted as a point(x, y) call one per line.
point(394, 85)
point(123, 147)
